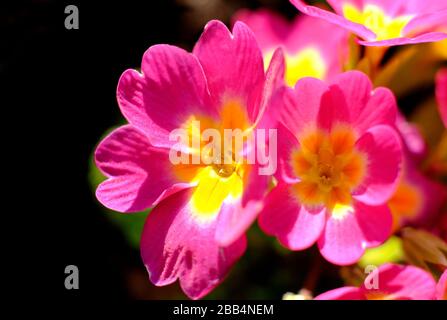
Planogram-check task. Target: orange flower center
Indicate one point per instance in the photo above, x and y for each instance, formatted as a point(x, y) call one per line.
point(329, 167)
point(405, 203)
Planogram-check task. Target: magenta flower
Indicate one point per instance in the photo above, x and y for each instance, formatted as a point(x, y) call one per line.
point(339, 161)
point(394, 282)
point(417, 200)
point(441, 288)
point(441, 94)
point(385, 23)
point(196, 230)
point(414, 143)
point(312, 47)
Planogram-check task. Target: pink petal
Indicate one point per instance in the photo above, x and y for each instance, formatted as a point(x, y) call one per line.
point(137, 173)
point(271, 29)
point(287, 142)
point(334, 108)
point(232, 63)
point(441, 288)
point(402, 282)
point(425, 6)
point(382, 148)
point(429, 20)
point(426, 37)
point(441, 94)
point(344, 293)
point(331, 41)
point(342, 241)
point(375, 223)
point(296, 227)
point(267, 115)
point(413, 142)
point(390, 8)
point(234, 220)
point(367, 107)
point(308, 31)
point(433, 195)
point(174, 246)
point(333, 18)
point(299, 107)
point(171, 88)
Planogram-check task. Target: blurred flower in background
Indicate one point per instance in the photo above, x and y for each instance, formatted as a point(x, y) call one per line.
point(312, 48)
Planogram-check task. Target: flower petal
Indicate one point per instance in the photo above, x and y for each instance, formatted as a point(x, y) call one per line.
point(267, 115)
point(344, 293)
point(383, 152)
point(413, 142)
point(175, 246)
point(234, 219)
point(441, 94)
point(441, 288)
point(426, 37)
point(287, 143)
point(271, 29)
point(401, 283)
point(432, 196)
point(367, 107)
point(171, 88)
point(282, 216)
point(342, 241)
point(375, 222)
point(428, 20)
point(299, 107)
point(233, 64)
point(333, 18)
point(138, 173)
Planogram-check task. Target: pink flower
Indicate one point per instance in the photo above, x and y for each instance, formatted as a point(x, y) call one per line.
point(418, 200)
point(339, 162)
point(441, 288)
point(394, 282)
point(312, 47)
point(385, 23)
point(196, 230)
point(413, 141)
point(441, 94)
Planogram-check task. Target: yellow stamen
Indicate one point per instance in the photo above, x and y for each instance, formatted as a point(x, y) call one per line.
point(220, 182)
point(375, 19)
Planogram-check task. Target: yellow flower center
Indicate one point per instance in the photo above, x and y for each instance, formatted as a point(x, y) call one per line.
point(216, 182)
point(307, 62)
point(373, 18)
point(329, 168)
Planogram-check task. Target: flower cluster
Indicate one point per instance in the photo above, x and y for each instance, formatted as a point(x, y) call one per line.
point(351, 171)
